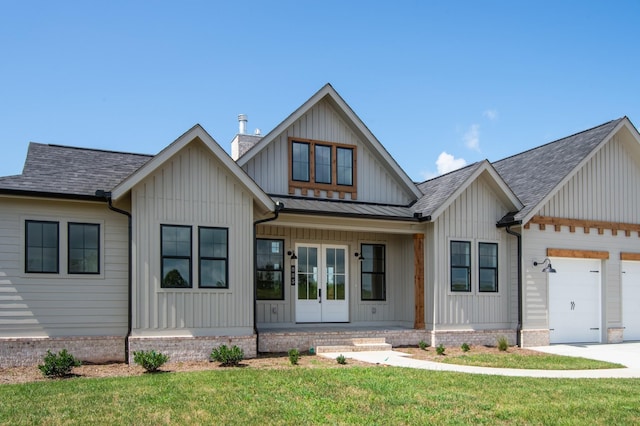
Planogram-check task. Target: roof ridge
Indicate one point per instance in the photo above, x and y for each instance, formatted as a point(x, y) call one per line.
point(557, 140)
point(80, 148)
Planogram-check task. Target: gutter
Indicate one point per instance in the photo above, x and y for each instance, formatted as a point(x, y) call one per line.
point(279, 207)
point(107, 196)
point(519, 292)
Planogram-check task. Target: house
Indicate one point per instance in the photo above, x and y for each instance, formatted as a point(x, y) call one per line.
point(314, 233)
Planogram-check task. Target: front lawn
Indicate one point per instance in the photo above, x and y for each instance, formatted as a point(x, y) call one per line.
point(361, 395)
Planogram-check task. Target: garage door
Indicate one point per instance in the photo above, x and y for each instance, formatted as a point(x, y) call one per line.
point(631, 300)
point(574, 300)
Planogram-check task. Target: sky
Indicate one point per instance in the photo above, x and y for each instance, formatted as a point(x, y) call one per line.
point(440, 84)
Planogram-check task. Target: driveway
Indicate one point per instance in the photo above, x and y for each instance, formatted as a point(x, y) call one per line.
point(627, 353)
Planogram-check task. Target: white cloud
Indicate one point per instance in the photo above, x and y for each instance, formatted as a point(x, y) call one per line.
point(472, 137)
point(491, 114)
point(447, 163)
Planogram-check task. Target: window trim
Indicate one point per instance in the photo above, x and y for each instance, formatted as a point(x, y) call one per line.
point(383, 273)
point(315, 187)
point(26, 246)
point(98, 271)
point(201, 258)
point(468, 268)
point(496, 269)
point(281, 268)
point(190, 257)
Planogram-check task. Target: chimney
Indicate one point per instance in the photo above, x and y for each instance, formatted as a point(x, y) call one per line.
point(243, 142)
point(242, 124)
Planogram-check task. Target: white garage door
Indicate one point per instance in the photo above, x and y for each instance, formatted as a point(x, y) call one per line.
point(631, 300)
point(574, 300)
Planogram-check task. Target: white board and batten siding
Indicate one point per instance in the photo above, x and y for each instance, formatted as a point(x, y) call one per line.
point(192, 188)
point(471, 217)
point(270, 167)
point(605, 189)
point(62, 304)
point(399, 276)
point(631, 300)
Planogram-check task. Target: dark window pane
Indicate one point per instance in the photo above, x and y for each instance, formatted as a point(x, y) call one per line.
point(213, 273)
point(300, 161)
point(84, 248)
point(176, 273)
point(488, 267)
point(176, 256)
point(344, 166)
point(373, 279)
point(41, 249)
point(460, 279)
point(269, 267)
point(323, 164)
point(213, 257)
point(488, 280)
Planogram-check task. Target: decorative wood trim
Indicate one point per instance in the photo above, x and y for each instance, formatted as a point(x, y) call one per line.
point(587, 225)
point(418, 280)
point(330, 188)
point(629, 256)
point(578, 254)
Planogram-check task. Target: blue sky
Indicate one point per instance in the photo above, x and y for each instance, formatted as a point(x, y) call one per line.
point(439, 83)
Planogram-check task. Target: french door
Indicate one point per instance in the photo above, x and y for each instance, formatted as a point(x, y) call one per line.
point(322, 278)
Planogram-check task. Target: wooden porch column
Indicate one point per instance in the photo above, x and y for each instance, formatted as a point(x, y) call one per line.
point(418, 280)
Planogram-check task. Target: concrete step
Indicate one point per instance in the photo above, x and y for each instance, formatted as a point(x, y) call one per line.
point(352, 345)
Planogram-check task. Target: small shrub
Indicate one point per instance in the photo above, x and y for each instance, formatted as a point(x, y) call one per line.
point(294, 356)
point(58, 365)
point(150, 360)
point(465, 347)
point(227, 357)
point(503, 344)
point(440, 349)
point(423, 345)
point(341, 359)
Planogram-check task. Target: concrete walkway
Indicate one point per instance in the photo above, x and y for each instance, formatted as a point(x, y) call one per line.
point(625, 353)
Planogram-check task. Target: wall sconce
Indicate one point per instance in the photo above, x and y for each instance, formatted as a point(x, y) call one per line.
point(547, 268)
point(358, 255)
point(292, 254)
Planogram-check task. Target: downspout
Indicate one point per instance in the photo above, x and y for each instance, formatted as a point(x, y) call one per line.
point(107, 196)
point(519, 292)
point(279, 206)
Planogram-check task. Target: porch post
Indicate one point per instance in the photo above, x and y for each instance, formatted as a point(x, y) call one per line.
point(418, 280)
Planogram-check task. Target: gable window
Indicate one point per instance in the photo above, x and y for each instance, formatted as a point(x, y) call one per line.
point(322, 166)
point(488, 264)
point(270, 269)
point(214, 254)
point(460, 266)
point(84, 248)
point(372, 275)
point(42, 247)
point(176, 256)
point(300, 161)
point(345, 166)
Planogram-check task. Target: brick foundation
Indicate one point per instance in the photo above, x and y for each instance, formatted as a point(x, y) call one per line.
point(28, 351)
point(471, 337)
point(191, 348)
point(615, 335)
point(530, 338)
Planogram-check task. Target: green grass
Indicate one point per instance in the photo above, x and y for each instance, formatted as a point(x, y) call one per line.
point(360, 395)
point(537, 362)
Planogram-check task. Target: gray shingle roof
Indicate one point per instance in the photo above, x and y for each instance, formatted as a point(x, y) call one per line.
point(533, 174)
point(70, 171)
point(437, 190)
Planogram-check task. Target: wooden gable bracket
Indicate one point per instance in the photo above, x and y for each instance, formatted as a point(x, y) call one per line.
point(587, 225)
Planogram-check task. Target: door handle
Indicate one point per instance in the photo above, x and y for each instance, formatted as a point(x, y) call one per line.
point(573, 305)
point(319, 295)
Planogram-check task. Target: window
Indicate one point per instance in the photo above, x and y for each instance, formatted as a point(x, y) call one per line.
point(42, 247)
point(300, 161)
point(176, 256)
point(460, 266)
point(372, 277)
point(488, 263)
point(322, 166)
point(269, 269)
point(345, 166)
point(214, 252)
point(84, 248)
